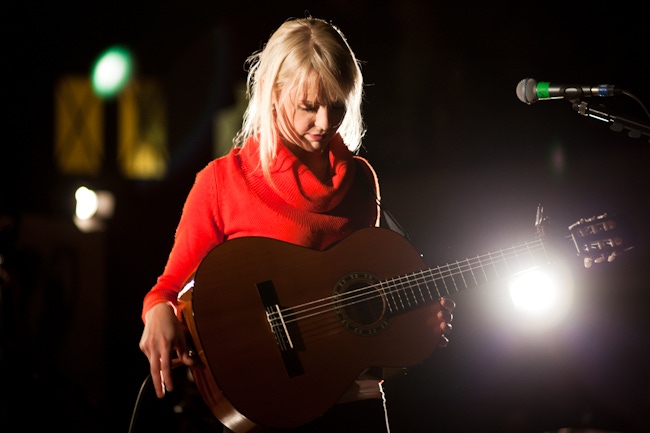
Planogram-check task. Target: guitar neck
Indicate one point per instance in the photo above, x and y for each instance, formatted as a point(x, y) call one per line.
point(410, 291)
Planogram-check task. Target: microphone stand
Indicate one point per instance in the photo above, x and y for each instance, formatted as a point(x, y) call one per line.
point(618, 123)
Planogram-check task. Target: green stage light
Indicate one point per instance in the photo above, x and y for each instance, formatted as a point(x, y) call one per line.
point(112, 71)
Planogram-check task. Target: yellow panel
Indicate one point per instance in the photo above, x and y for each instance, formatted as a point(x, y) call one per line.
point(142, 145)
point(79, 127)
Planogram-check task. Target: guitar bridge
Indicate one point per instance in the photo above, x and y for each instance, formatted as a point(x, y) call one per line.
point(280, 328)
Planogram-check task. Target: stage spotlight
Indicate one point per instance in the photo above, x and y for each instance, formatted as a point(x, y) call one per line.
point(534, 292)
point(92, 209)
point(542, 295)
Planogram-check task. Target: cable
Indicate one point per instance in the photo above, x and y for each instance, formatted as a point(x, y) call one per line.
point(137, 403)
point(638, 101)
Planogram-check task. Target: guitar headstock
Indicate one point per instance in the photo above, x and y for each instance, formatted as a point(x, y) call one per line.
point(598, 239)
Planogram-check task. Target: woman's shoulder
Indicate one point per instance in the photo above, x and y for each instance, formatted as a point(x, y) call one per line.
point(218, 168)
point(222, 161)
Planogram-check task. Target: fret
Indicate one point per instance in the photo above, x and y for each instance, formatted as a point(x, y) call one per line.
point(435, 284)
point(471, 270)
point(441, 278)
point(530, 252)
point(389, 296)
point(430, 282)
point(498, 267)
point(418, 294)
point(480, 264)
point(448, 277)
point(462, 276)
point(451, 277)
point(505, 262)
point(465, 267)
point(421, 280)
point(402, 297)
point(519, 256)
point(382, 292)
point(402, 293)
point(493, 263)
point(397, 297)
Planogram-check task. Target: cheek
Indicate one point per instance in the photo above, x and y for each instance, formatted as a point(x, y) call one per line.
point(299, 122)
point(291, 126)
point(284, 121)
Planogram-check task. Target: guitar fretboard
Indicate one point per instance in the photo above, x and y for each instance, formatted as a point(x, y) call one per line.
point(410, 291)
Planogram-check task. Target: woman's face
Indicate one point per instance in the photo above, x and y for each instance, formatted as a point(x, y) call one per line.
point(306, 121)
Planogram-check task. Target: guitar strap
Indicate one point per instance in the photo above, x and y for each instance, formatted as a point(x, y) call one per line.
point(391, 221)
point(386, 216)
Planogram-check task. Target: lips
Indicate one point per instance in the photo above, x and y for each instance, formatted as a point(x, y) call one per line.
point(318, 137)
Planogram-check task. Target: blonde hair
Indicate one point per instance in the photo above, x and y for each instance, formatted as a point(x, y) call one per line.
point(300, 53)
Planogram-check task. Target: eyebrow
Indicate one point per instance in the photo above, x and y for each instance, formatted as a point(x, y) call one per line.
point(318, 102)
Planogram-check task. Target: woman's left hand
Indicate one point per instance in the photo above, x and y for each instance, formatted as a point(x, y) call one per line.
point(445, 316)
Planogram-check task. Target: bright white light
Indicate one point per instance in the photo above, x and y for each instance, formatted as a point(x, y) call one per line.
point(92, 209)
point(541, 296)
point(87, 203)
point(534, 292)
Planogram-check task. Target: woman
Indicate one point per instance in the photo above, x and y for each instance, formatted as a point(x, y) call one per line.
point(293, 176)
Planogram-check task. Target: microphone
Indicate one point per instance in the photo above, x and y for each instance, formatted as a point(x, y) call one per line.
point(529, 91)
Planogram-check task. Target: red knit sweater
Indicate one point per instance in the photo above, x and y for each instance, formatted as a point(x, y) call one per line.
point(231, 199)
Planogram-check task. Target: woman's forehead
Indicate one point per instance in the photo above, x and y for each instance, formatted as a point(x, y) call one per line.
point(315, 90)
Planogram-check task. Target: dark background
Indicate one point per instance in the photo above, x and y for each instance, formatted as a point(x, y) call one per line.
point(462, 162)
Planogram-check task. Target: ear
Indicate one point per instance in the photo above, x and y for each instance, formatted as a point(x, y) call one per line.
point(274, 103)
point(274, 97)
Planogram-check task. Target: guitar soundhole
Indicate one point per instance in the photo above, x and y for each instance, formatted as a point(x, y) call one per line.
point(360, 305)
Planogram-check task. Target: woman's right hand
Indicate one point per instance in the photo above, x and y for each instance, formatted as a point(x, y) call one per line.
point(162, 338)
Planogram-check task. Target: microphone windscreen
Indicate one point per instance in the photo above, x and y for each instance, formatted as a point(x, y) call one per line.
point(527, 90)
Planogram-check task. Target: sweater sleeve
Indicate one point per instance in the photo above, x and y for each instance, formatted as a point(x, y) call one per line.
point(199, 231)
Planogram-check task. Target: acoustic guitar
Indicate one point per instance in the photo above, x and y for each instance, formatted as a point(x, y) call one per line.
point(281, 331)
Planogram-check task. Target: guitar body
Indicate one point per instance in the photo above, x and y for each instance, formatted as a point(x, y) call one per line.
point(252, 376)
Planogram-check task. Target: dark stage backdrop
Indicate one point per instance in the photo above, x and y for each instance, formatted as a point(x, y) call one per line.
point(462, 162)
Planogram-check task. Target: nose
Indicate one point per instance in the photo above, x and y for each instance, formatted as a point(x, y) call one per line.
point(323, 119)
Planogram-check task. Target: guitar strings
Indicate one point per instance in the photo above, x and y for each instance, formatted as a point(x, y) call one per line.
point(437, 274)
point(400, 286)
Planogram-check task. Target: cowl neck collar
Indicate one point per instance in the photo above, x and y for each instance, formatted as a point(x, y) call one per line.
point(293, 182)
